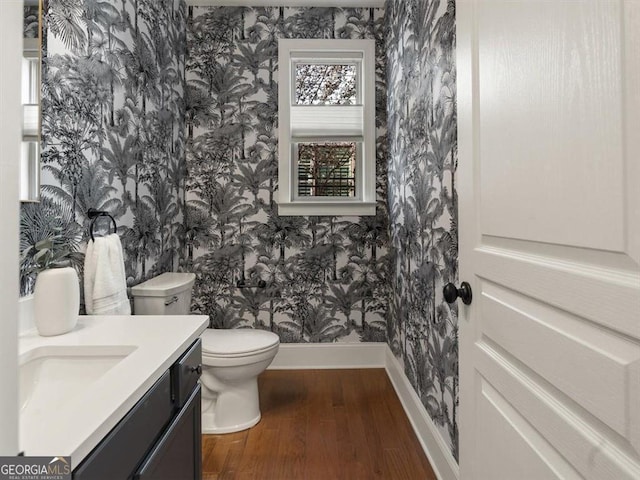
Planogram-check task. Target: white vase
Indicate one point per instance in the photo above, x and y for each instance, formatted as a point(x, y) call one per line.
point(56, 301)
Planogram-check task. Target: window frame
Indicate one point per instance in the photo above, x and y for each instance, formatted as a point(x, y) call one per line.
point(323, 51)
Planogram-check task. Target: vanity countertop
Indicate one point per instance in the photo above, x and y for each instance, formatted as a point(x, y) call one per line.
point(74, 426)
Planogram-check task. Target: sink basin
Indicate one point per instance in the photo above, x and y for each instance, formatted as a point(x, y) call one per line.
point(52, 375)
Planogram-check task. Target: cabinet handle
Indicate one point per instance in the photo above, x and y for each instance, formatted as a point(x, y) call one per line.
point(197, 369)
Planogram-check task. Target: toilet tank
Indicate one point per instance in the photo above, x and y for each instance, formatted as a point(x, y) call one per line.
point(166, 294)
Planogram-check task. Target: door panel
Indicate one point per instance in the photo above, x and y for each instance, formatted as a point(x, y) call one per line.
point(631, 79)
point(588, 364)
point(556, 150)
point(549, 238)
point(585, 443)
point(530, 455)
point(596, 293)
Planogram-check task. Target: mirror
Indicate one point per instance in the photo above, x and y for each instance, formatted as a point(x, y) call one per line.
point(31, 74)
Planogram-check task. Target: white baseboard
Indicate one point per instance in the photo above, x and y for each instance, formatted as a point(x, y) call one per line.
point(437, 451)
point(307, 356)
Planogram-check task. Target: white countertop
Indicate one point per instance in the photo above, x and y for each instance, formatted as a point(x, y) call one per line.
point(80, 423)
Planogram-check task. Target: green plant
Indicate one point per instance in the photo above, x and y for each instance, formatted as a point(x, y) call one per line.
point(52, 252)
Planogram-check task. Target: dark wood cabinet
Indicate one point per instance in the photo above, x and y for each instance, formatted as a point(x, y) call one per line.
point(177, 455)
point(160, 437)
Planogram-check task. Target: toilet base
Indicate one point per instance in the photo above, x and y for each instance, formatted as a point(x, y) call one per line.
point(230, 400)
point(232, 429)
point(228, 404)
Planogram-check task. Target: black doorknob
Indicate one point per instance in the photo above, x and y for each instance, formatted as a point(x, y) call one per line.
point(451, 293)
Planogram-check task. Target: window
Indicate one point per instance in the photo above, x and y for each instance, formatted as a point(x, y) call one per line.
point(327, 127)
point(326, 169)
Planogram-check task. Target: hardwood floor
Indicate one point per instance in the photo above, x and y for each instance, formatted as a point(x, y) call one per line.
point(321, 424)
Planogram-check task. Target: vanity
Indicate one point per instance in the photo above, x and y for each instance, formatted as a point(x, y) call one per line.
point(118, 394)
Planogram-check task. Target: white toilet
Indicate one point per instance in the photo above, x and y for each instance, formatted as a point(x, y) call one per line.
point(231, 359)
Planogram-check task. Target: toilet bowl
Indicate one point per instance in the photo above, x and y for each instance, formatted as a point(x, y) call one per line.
point(231, 363)
point(231, 359)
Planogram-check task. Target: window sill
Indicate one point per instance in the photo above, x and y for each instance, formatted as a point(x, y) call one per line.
point(326, 209)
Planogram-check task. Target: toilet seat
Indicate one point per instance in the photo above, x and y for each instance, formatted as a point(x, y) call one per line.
point(229, 343)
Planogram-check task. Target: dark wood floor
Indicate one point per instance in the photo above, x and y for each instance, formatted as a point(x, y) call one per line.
point(321, 424)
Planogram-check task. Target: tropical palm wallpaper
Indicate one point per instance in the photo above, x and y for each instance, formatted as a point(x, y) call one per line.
point(422, 200)
point(112, 129)
point(327, 278)
point(31, 22)
point(166, 116)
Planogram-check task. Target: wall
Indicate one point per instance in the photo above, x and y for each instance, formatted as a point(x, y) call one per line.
point(422, 201)
point(31, 21)
point(10, 136)
point(328, 277)
point(112, 125)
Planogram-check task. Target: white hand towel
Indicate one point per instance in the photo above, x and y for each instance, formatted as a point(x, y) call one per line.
point(105, 287)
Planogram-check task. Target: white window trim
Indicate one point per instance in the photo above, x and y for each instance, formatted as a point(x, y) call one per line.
point(288, 202)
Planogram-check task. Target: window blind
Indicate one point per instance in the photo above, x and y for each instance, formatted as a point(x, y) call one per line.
point(327, 121)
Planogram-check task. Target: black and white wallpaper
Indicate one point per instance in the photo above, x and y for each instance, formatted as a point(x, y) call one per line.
point(422, 201)
point(30, 21)
point(182, 149)
point(112, 129)
point(327, 277)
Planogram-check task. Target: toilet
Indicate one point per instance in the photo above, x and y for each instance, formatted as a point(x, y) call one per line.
point(231, 359)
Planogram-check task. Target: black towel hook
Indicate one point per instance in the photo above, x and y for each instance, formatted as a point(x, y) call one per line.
point(94, 215)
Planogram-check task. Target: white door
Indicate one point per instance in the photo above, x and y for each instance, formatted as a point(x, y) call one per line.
point(549, 156)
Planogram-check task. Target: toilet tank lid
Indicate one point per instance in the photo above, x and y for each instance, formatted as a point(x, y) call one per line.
point(165, 284)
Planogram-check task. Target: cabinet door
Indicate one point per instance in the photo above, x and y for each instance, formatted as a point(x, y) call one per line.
point(177, 455)
point(117, 456)
point(186, 372)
